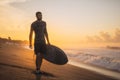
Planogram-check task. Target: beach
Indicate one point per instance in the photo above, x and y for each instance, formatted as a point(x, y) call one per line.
point(17, 63)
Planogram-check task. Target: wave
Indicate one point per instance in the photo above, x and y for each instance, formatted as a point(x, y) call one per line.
point(101, 57)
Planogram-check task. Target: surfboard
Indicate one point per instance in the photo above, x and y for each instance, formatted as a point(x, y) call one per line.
point(55, 55)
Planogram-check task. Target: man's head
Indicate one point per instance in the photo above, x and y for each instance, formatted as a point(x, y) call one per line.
point(39, 15)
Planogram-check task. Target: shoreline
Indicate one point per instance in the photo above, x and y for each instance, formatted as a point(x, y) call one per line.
point(95, 68)
point(101, 70)
point(54, 72)
point(20, 61)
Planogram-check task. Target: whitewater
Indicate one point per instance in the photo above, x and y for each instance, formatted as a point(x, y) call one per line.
point(108, 58)
point(101, 60)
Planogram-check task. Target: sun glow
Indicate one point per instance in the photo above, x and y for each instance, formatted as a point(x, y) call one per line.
point(83, 24)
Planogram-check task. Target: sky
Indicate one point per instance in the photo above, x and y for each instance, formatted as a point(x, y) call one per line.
point(70, 23)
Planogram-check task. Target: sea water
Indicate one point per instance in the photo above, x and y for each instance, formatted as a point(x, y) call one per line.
point(106, 60)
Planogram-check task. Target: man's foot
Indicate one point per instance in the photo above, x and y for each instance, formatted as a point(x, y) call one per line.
point(38, 72)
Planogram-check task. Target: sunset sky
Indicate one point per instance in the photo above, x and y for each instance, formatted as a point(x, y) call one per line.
point(70, 23)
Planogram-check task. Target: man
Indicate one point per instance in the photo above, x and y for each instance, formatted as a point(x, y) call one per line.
point(39, 28)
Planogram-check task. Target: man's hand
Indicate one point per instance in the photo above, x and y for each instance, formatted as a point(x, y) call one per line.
point(48, 43)
point(30, 46)
point(30, 37)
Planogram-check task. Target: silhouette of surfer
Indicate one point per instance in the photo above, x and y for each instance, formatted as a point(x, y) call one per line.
point(39, 28)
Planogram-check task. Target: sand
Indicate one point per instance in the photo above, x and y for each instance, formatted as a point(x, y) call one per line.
point(17, 63)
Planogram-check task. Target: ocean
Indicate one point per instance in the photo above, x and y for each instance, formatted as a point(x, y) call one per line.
point(103, 57)
point(104, 60)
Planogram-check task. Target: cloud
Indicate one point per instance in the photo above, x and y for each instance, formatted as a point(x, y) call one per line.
point(12, 19)
point(105, 37)
point(117, 35)
point(3, 2)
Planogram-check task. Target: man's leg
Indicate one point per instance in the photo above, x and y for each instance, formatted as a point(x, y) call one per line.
point(39, 58)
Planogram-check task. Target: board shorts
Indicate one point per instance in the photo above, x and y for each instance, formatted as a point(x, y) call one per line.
point(40, 48)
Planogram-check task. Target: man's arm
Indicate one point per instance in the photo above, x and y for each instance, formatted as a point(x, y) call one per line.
point(30, 37)
point(46, 35)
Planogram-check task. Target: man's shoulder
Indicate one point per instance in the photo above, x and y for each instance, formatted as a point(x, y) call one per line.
point(43, 22)
point(35, 22)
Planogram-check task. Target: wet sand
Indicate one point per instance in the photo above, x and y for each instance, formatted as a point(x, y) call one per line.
point(17, 63)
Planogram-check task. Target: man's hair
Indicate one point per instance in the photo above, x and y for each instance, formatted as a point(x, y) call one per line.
point(38, 13)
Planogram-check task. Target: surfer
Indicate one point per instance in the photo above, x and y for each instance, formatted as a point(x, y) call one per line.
point(39, 28)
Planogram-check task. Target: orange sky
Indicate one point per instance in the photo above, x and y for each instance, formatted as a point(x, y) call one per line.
point(70, 23)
